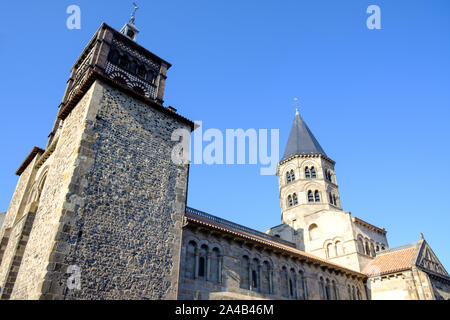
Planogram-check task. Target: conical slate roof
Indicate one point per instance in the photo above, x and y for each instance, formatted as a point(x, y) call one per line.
point(301, 140)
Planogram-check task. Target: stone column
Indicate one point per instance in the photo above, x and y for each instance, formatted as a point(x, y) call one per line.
point(208, 263)
point(250, 280)
point(305, 287)
point(219, 275)
point(196, 264)
point(259, 278)
point(161, 81)
point(270, 281)
point(287, 283)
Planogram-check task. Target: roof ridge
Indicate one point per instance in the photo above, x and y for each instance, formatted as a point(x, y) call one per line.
point(398, 248)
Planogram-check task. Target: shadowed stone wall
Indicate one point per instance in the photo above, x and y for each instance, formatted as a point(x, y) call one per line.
point(112, 205)
point(234, 283)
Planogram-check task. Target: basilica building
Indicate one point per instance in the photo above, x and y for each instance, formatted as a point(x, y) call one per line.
point(101, 211)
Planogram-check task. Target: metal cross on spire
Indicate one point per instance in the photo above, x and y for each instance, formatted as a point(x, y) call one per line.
point(134, 12)
point(296, 104)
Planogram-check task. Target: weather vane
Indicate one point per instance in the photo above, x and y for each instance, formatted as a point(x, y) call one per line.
point(134, 12)
point(296, 103)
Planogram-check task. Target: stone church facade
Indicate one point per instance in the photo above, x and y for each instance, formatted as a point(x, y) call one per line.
point(100, 212)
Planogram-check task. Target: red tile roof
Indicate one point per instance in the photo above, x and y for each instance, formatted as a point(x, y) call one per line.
point(391, 262)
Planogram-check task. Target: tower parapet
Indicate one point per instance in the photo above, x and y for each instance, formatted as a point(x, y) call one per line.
point(115, 57)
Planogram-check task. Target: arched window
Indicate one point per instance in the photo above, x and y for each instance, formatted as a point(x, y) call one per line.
point(372, 250)
point(288, 177)
point(328, 175)
point(303, 289)
point(114, 56)
point(360, 245)
point(331, 197)
point(245, 267)
point(339, 248)
point(314, 232)
point(349, 291)
point(132, 66)
point(317, 196)
point(284, 282)
point(291, 288)
point(310, 196)
point(359, 295)
point(327, 290)
point(295, 199)
point(141, 71)
point(201, 267)
point(216, 266)
point(322, 288)
point(367, 248)
point(254, 279)
point(330, 250)
point(307, 173)
point(354, 292)
point(292, 284)
point(335, 290)
point(202, 261)
point(123, 62)
point(290, 202)
point(150, 76)
point(266, 278)
point(334, 200)
point(313, 173)
point(255, 274)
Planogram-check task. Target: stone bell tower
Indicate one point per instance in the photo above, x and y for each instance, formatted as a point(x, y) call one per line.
point(311, 212)
point(309, 196)
point(306, 177)
point(98, 213)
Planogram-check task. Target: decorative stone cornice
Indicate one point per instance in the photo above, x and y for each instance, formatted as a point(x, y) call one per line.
point(96, 74)
point(313, 155)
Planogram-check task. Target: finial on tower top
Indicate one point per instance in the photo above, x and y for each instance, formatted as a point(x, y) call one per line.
point(130, 29)
point(421, 236)
point(296, 103)
point(133, 17)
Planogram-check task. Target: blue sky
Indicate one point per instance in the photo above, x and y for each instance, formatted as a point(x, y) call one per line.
point(378, 101)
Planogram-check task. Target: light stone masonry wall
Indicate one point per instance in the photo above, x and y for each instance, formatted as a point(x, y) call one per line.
point(40, 250)
point(112, 205)
point(13, 225)
point(232, 281)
